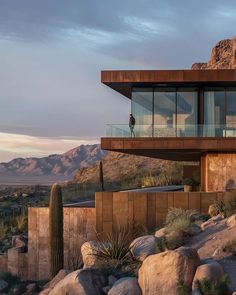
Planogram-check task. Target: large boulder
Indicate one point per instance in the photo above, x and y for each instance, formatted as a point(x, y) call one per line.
point(59, 276)
point(160, 273)
point(82, 282)
point(211, 271)
point(88, 252)
point(231, 221)
point(125, 286)
point(143, 247)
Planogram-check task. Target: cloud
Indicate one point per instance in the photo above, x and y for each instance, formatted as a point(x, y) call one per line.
point(52, 53)
point(20, 145)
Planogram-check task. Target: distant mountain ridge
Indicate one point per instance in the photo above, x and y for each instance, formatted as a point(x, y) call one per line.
point(62, 165)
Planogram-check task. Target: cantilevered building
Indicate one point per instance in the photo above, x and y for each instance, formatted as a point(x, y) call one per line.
point(181, 115)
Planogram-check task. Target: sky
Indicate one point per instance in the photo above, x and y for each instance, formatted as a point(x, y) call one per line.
point(52, 53)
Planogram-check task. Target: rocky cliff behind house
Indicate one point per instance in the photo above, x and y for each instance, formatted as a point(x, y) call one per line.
point(223, 56)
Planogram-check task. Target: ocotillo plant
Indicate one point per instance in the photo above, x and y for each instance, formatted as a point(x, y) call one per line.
point(56, 249)
point(101, 176)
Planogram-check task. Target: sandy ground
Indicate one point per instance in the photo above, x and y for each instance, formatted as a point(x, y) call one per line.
point(209, 245)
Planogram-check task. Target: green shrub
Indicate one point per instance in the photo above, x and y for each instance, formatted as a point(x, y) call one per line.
point(114, 252)
point(230, 247)
point(207, 287)
point(181, 224)
point(188, 181)
point(183, 289)
point(161, 244)
point(175, 240)
point(178, 225)
point(174, 213)
point(21, 222)
point(229, 203)
point(218, 207)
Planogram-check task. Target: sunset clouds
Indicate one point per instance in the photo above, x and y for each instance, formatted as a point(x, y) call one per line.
point(52, 53)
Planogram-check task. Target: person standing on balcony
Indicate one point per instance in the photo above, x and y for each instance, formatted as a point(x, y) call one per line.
point(131, 124)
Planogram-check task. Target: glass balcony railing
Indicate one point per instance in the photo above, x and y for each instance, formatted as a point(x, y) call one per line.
point(122, 130)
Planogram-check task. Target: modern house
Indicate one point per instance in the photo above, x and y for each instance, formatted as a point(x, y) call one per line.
point(181, 115)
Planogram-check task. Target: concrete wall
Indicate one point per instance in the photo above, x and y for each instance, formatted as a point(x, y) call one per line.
point(218, 172)
point(79, 226)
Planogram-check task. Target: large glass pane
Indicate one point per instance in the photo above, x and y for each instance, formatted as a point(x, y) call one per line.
point(142, 110)
point(165, 112)
point(231, 112)
point(214, 112)
point(187, 112)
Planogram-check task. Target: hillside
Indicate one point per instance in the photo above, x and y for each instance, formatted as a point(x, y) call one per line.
point(62, 166)
point(131, 171)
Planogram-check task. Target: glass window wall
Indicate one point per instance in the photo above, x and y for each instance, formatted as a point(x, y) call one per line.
point(214, 112)
point(164, 112)
point(142, 110)
point(187, 112)
point(231, 112)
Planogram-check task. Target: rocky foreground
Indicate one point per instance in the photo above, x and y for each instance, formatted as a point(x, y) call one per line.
point(203, 257)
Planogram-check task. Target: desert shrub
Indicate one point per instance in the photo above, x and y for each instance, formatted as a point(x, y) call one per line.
point(174, 213)
point(175, 240)
point(114, 251)
point(229, 203)
point(230, 247)
point(207, 287)
point(178, 225)
point(161, 244)
point(3, 230)
point(21, 222)
point(218, 207)
point(181, 224)
point(183, 289)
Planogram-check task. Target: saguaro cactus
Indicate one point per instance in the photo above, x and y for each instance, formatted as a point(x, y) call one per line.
point(56, 249)
point(101, 176)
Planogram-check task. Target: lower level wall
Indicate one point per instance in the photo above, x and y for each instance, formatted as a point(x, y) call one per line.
point(79, 226)
point(218, 172)
point(115, 210)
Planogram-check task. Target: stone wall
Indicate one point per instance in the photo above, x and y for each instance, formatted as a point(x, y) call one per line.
point(219, 172)
point(79, 226)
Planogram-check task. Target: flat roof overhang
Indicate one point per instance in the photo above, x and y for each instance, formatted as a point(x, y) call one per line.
point(177, 149)
point(124, 81)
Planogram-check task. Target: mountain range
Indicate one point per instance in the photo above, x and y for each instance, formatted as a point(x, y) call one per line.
point(51, 168)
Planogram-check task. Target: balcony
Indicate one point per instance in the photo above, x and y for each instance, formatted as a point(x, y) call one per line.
point(165, 131)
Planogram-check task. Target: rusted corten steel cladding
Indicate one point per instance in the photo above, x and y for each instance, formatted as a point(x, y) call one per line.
point(170, 148)
point(123, 81)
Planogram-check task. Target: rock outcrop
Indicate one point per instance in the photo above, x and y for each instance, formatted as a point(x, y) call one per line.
point(223, 56)
point(88, 252)
point(160, 273)
point(125, 286)
point(143, 247)
point(211, 271)
point(83, 282)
